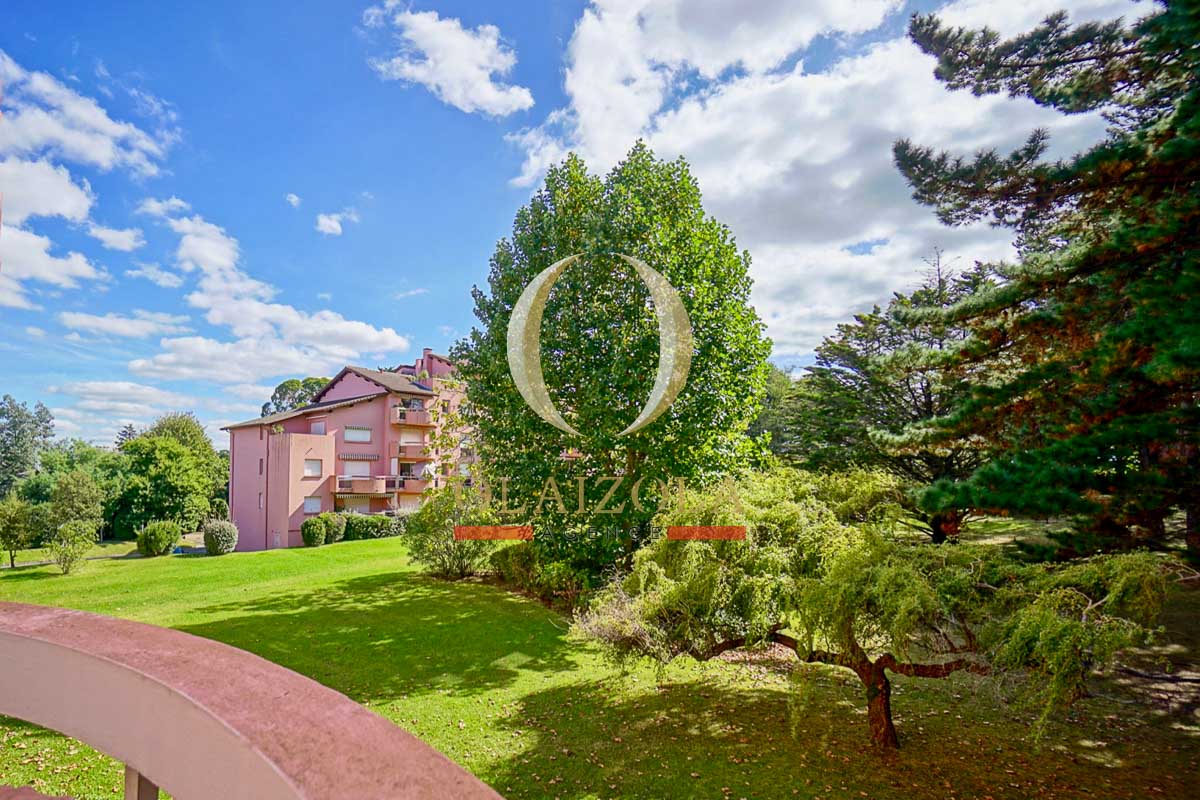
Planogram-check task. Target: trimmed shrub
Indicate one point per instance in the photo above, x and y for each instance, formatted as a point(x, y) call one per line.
point(218, 509)
point(520, 567)
point(70, 544)
point(335, 526)
point(220, 537)
point(370, 526)
point(313, 531)
point(515, 565)
point(429, 532)
point(158, 538)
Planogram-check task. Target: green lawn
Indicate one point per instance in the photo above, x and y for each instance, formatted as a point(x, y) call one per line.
point(495, 682)
point(109, 549)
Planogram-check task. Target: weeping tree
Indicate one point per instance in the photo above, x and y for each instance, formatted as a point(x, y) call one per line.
point(819, 574)
point(1100, 418)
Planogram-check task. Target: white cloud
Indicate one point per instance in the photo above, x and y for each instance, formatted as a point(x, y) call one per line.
point(41, 189)
point(460, 66)
point(250, 391)
point(156, 275)
point(293, 199)
point(409, 293)
point(326, 296)
point(796, 162)
point(27, 257)
point(34, 332)
point(331, 224)
point(43, 116)
point(271, 338)
point(162, 208)
point(140, 325)
point(124, 239)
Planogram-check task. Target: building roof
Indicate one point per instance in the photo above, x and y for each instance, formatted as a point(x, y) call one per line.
point(386, 381)
point(391, 381)
point(280, 416)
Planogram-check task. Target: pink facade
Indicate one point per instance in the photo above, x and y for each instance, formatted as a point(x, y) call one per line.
point(363, 446)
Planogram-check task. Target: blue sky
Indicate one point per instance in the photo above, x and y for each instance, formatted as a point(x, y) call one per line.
point(203, 199)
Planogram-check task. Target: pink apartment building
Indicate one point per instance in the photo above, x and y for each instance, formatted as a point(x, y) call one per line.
point(363, 445)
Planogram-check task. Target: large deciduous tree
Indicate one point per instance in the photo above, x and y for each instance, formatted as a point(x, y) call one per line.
point(1100, 417)
point(600, 347)
point(293, 393)
point(23, 435)
point(166, 481)
point(874, 380)
point(185, 428)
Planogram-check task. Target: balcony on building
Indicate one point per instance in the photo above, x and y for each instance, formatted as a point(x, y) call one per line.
point(411, 414)
point(406, 451)
point(364, 486)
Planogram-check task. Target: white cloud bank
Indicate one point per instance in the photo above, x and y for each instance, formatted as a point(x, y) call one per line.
point(460, 66)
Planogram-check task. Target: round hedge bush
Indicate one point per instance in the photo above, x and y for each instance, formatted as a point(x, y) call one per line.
point(335, 527)
point(158, 538)
point(220, 537)
point(313, 531)
point(219, 509)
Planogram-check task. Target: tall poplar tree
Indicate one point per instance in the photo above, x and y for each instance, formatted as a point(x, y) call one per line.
point(600, 351)
point(1099, 418)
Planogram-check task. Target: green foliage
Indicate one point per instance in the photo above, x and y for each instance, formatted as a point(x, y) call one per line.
point(158, 538)
point(16, 528)
point(165, 481)
point(876, 386)
point(372, 526)
point(313, 531)
point(335, 526)
point(218, 508)
point(838, 590)
point(186, 429)
point(599, 341)
point(105, 469)
point(220, 537)
point(71, 542)
point(23, 436)
point(772, 419)
point(520, 566)
point(76, 496)
point(429, 531)
point(1097, 414)
point(293, 393)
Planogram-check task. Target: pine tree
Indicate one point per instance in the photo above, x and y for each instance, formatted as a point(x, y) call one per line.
point(873, 379)
point(1099, 416)
point(126, 434)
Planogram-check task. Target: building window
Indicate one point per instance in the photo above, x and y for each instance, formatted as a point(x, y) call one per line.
point(260, 499)
point(395, 465)
point(317, 427)
point(312, 505)
point(260, 466)
point(357, 434)
point(312, 468)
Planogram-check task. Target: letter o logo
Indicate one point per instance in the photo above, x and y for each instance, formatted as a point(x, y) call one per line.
point(525, 352)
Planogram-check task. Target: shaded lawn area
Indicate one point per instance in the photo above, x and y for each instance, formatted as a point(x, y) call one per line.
point(494, 681)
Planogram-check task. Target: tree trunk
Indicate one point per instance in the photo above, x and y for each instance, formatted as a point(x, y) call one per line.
point(1191, 532)
point(944, 526)
point(879, 710)
point(12, 559)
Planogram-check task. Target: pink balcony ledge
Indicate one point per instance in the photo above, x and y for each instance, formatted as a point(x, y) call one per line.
point(204, 720)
